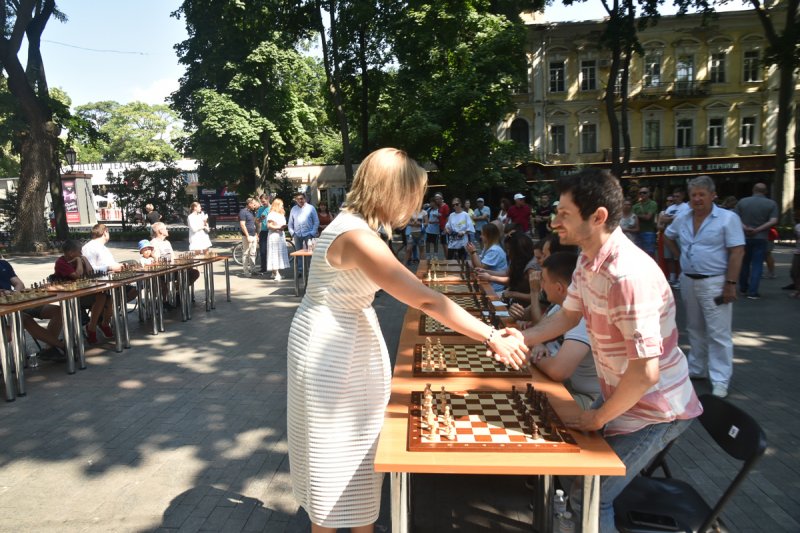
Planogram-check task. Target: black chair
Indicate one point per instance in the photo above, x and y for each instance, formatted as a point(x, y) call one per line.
point(651, 504)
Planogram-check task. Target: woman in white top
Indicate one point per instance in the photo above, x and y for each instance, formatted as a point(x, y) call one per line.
point(459, 230)
point(629, 221)
point(277, 252)
point(198, 228)
point(338, 365)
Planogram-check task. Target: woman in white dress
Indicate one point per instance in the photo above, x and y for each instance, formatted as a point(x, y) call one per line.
point(338, 364)
point(277, 253)
point(198, 228)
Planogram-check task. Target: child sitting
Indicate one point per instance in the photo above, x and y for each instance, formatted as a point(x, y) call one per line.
point(146, 253)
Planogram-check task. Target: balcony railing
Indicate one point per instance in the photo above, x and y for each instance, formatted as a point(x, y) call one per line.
point(678, 88)
point(663, 152)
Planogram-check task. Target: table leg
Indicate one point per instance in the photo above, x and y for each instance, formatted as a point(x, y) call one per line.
point(213, 288)
point(115, 319)
point(306, 265)
point(543, 504)
point(140, 285)
point(18, 348)
point(66, 320)
point(401, 501)
point(151, 302)
point(591, 504)
point(227, 280)
point(159, 305)
point(5, 363)
point(123, 298)
point(76, 326)
point(294, 275)
point(179, 281)
point(207, 286)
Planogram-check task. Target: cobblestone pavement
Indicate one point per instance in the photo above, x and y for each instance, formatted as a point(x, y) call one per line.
point(186, 430)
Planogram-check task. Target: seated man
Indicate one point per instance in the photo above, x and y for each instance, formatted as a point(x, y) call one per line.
point(569, 359)
point(10, 282)
point(71, 266)
point(99, 256)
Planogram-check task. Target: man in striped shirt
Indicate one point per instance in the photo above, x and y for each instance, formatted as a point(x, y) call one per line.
point(647, 398)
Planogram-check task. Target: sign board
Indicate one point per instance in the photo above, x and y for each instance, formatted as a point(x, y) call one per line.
point(70, 201)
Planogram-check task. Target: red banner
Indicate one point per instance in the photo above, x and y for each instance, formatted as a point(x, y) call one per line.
point(70, 201)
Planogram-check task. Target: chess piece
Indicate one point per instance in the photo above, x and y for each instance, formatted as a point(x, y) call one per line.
point(442, 399)
point(427, 393)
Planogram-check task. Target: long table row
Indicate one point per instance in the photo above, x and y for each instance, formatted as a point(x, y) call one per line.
point(13, 359)
point(593, 459)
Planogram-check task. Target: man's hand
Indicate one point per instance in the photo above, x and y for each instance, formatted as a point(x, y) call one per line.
point(509, 348)
point(517, 312)
point(586, 421)
point(538, 352)
point(729, 293)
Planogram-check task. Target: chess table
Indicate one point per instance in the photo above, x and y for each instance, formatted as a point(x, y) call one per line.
point(591, 457)
point(463, 360)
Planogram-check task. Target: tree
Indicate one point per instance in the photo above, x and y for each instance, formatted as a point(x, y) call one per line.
point(783, 52)
point(164, 187)
point(250, 101)
point(38, 138)
point(128, 132)
point(459, 61)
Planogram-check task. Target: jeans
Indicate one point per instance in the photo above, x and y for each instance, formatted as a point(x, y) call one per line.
point(709, 329)
point(636, 450)
point(263, 237)
point(647, 242)
point(249, 248)
point(752, 265)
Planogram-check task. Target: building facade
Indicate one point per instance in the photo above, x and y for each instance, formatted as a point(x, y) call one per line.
point(700, 100)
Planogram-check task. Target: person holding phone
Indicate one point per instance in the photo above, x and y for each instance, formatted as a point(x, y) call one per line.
point(710, 247)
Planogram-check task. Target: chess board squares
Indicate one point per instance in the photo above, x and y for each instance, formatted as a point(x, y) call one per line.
point(460, 360)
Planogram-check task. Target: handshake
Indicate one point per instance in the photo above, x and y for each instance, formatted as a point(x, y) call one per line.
point(508, 346)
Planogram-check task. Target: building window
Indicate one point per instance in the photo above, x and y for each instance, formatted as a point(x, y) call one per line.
point(519, 133)
point(588, 75)
point(557, 75)
point(684, 131)
point(652, 70)
point(748, 136)
point(716, 132)
point(752, 66)
point(652, 134)
point(558, 139)
point(684, 73)
point(717, 68)
point(589, 138)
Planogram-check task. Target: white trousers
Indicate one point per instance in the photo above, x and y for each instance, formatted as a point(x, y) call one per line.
point(709, 328)
point(249, 249)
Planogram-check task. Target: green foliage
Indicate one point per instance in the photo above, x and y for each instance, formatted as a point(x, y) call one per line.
point(251, 102)
point(165, 188)
point(126, 132)
point(458, 62)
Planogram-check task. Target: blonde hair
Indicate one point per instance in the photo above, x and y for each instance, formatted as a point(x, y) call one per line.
point(387, 189)
point(277, 206)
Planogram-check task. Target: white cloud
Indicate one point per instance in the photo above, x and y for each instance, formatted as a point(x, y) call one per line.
point(156, 92)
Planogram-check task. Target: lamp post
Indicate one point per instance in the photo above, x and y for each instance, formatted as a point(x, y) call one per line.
point(71, 156)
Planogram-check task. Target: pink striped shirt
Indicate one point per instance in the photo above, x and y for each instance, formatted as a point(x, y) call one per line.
point(630, 314)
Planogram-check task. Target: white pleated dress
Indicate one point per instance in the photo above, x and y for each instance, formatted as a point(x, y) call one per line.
point(338, 386)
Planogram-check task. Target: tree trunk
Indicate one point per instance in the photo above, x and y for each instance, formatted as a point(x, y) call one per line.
point(330, 58)
point(610, 101)
point(38, 153)
point(57, 202)
point(626, 137)
point(783, 190)
point(362, 59)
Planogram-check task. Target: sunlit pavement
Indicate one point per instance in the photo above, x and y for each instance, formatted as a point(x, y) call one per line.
point(186, 430)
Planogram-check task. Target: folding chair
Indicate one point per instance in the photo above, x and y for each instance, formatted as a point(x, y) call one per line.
point(656, 504)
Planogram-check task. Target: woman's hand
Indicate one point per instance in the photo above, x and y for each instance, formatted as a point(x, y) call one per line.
point(517, 312)
point(483, 276)
point(470, 248)
point(509, 348)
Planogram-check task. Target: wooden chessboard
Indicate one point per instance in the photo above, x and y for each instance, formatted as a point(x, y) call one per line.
point(452, 288)
point(67, 286)
point(470, 301)
point(488, 421)
point(431, 326)
point(21, 297)
point(470, 361)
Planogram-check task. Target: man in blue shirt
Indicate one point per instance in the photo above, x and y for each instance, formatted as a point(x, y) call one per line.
point(303, 222)
point(10, 282)
point(263, 234)
point(481, 216)
point(711, 249)
point(247, 227)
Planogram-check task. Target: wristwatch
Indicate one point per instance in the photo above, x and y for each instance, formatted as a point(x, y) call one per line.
point(730, 282)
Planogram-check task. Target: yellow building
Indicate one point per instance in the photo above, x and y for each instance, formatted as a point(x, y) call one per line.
point(701, 99)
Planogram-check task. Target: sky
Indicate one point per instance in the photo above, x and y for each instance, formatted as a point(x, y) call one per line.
point(122, 50)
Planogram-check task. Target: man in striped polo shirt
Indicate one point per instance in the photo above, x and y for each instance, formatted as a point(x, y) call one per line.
point(647, 398)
